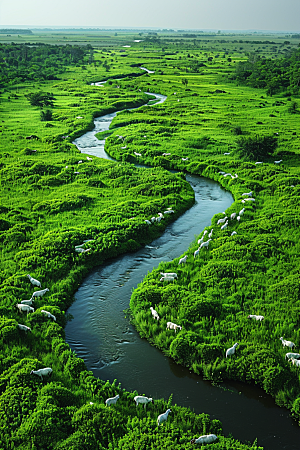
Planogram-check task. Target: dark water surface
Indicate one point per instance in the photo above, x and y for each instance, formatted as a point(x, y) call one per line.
point(102, 335)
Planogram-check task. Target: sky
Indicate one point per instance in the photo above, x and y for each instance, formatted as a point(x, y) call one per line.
point(269, 15)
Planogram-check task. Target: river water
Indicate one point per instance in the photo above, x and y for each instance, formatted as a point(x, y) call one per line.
point(102, 335)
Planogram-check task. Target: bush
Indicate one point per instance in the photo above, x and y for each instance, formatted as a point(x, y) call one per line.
point(256, 147)
point(293, 108)
point(46, 115)
point(296, 409)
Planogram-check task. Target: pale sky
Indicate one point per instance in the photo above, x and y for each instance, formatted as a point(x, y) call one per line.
point(273, 15)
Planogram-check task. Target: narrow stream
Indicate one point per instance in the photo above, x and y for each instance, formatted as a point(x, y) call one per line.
point(102, 335)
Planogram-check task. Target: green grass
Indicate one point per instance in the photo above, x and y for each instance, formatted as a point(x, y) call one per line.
point(43, 216)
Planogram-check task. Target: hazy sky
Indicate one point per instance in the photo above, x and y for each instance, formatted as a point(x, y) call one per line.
point(279, 15)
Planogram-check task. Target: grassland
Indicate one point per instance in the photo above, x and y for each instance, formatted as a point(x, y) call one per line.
point(44, 211)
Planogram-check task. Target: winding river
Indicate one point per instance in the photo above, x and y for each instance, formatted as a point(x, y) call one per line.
point(102, 335)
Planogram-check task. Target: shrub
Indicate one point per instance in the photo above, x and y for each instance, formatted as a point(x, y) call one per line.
point(256, 147)
point(46, 115)
point(40, 99)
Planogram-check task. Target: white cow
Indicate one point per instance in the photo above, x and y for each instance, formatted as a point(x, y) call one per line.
point(205, 439)
point(287, 343)
point(183, 260)
point(205, 244)
point(170, 274)
point(41, 372)
point(48, 314)
point(24, 327)
point(292, 355)
point(222, 220)
point(112, 400)
point(173, 326)
point(296, 362)
point(154, 313)
point(163, 417)
point(143, 400)
point(27, 302)
point(167, 279)
point(34, 281)
point(230, 351)
point(256, 317)
point(39, 293)
point(25, 308)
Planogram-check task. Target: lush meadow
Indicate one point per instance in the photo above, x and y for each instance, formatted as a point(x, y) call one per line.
point(53, 199)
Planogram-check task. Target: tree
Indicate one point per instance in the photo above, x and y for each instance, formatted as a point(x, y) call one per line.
point(40, 99)
point(256, 147)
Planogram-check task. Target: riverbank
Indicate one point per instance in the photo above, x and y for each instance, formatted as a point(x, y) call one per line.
point(248, 270)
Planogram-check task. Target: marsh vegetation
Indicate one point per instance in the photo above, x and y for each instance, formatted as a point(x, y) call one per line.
point(216, 118)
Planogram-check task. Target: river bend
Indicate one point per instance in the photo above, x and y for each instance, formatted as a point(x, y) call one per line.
point(110, 346)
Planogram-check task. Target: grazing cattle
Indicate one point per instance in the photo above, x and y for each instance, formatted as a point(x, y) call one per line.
point(82, 250)
point(196, 252)
point(39, 293)
point(287, 343)
point(143, 400)
point(49, 315)
point(296, 362)
point(173, 326)
point(46, 371)
point(34, 281)
point(163, 417)
point(154, 313)
point(28, 302)
point(222, 220)
point(230, 351)
point(24, 328)
point(167, 279)
point(292, 355)
point(205, 244)
point(112, 400)
point(25, 308)
point(256, 317)
point(183, 260)
point(205, 439)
